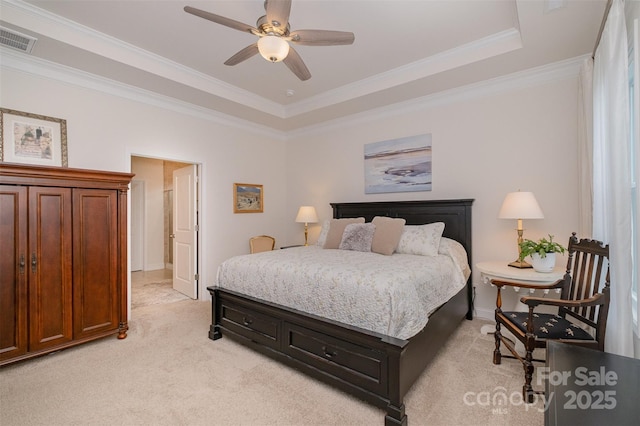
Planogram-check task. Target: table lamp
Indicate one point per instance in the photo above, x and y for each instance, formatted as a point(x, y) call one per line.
point(520, 205)
point(306, 215)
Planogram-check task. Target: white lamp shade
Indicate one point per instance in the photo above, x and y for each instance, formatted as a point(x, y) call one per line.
point(307, 214)
point(520, 205)
point(273, 48)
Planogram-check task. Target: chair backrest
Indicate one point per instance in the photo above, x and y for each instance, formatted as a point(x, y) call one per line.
point(261, 243)
point(587, 274)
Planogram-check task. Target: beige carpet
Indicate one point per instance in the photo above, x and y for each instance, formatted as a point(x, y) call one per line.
point(167, 372)
point(155, 292)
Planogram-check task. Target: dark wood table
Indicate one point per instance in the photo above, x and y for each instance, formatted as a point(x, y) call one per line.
point(589, 387)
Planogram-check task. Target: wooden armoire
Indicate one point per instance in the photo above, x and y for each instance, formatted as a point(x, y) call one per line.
point(63, 258)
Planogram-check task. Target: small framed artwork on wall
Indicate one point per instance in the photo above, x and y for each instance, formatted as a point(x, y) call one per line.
point(247, 198)
point(32, 139)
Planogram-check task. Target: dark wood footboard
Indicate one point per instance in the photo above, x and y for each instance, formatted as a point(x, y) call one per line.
point(376, 368)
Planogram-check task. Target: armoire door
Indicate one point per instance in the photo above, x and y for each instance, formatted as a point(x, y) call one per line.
point(49, 267)
point(95, 261)
point(13, 264)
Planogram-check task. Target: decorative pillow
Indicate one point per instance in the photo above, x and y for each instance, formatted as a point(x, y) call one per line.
point(323, 233)
point(336, 228)
point(357, 237)
point(387, 235)
point(421, 239)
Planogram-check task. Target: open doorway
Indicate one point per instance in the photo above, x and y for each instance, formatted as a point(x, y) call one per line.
point(154, 263)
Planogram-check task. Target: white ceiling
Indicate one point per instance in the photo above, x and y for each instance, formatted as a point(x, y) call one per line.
point(402, 49)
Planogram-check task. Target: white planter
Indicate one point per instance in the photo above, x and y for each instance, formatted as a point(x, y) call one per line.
point(543, 264)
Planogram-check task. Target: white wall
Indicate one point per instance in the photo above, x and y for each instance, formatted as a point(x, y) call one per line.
point(483, 147)
point(104, 131)
point(151, 171)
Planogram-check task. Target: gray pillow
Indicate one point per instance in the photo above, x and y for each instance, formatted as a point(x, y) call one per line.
point(357, 237)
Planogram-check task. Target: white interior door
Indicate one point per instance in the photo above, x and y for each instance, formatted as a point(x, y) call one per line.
point(185, 231)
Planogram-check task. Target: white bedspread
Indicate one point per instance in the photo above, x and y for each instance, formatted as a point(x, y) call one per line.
point(391, 295)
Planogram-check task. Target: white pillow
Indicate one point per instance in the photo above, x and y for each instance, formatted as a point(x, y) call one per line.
point(322, 238)
point(421, 239)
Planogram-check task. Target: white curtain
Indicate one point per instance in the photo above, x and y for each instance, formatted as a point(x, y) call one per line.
point(611, 173)
point(585, 148)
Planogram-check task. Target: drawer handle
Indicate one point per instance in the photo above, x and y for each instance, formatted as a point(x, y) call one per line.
point(247, 321)
point(329, 354)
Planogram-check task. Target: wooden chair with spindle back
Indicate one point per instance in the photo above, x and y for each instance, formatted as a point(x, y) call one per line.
point(582, 309)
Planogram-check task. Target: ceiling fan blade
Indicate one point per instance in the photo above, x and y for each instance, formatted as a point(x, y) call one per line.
point(322, 37)
point(243, 55)
point(295, 63)
point(278, 11)
point(227, 22)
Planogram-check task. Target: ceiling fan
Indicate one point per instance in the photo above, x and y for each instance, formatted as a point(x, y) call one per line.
point(274, 32)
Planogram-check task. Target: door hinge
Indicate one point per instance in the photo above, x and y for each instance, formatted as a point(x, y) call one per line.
point(196, 277)
point(197, 228)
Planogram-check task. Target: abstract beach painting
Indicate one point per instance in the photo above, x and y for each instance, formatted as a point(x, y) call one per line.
point(398, 165)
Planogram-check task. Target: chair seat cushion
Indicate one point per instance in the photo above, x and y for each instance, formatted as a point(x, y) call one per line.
point(549, 326)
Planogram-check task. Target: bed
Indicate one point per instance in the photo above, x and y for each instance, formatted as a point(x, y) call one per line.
point(377, 367)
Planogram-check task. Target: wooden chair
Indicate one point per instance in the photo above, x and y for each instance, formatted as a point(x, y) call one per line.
point(582, 309)
point(261, 243)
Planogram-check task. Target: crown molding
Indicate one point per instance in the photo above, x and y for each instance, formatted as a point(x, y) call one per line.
point(17, 61)
point(569, 68)
point(493, 45)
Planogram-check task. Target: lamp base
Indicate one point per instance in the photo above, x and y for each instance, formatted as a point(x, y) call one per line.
point(521, 264)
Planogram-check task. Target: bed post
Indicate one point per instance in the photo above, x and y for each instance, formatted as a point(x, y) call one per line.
point(467, 245)
point(214, 328)
point(395, 416)
point(395, 409)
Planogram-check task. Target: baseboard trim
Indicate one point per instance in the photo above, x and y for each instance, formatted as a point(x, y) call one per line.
point(486, 314)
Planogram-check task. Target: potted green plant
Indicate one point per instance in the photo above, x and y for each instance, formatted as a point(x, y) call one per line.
point(542, 253)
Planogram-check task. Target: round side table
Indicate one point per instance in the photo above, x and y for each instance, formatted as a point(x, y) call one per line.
point(502, 271)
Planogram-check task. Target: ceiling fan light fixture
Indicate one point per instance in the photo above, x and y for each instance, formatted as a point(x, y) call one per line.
point(273, 48)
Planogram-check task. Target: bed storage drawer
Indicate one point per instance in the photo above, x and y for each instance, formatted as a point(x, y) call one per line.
point(250, 323)
point(353, 363)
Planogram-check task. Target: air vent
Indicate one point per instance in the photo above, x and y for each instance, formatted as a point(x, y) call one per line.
point(16, 40)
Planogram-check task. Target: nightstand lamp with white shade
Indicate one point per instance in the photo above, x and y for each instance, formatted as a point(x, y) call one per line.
point(520, 205)
point(306, 215)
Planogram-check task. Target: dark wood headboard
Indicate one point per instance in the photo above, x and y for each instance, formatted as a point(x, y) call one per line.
point(456, 215)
